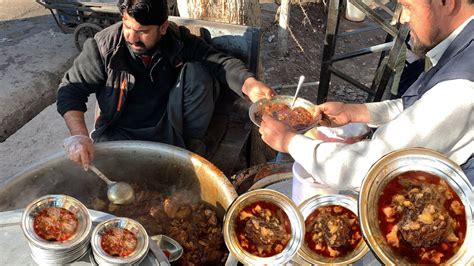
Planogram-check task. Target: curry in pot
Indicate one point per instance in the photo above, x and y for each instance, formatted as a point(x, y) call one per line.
point(182, 216)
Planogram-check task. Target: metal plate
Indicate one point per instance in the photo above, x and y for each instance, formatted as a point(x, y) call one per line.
point(286, 99)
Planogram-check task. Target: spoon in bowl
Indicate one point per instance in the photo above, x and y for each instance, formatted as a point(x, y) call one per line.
point(117, 192)
point(300, 82)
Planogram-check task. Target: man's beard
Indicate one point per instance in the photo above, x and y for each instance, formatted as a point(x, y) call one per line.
point(421, 49)
point(142, 51)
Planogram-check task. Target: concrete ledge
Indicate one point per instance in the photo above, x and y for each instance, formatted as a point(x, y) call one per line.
point(30, 71)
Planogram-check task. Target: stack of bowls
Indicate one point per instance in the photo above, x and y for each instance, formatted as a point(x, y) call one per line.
point(313, 203)
point(57, 252)
point(275, 198)
point(101, 257)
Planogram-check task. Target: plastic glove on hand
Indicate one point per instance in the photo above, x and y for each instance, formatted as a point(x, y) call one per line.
point(79, 149)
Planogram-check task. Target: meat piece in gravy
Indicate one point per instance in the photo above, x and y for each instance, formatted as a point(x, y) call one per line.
point(422, 217)
point(263, 229)
point(190, 221)
point(332, 231)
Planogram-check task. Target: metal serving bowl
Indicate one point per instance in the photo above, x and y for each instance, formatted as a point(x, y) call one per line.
point(102, 258)
point(44, 251)
point(286, 99)
point(280, 200)
point(309, 206)
point(390, 166)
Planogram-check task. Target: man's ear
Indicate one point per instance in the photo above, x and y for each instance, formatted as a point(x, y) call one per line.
point(449, 6)
point(164, 27)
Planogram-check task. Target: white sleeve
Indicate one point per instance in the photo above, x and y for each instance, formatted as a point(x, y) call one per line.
point(442, 120)
point(383, 112)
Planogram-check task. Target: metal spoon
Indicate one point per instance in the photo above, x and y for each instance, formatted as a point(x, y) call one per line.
point(117, 192)
point(300, 82)
point(168, 244)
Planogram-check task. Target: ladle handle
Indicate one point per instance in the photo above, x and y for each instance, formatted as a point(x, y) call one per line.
point(102, 176)
point(300, 82)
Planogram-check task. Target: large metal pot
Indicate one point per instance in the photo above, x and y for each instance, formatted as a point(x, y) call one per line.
point(159, 166)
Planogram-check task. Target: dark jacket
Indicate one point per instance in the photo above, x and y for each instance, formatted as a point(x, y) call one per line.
point(106, 66)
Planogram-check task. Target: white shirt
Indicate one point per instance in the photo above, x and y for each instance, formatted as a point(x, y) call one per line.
point(441, 120)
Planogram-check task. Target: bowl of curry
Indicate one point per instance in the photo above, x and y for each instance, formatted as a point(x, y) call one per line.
point(415, 209)
point(119, 241)
point(263, 226)
point(299, 118)
point(332, 230)
point(56, 222)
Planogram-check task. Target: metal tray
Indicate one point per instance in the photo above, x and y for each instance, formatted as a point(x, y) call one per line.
point(14, 245)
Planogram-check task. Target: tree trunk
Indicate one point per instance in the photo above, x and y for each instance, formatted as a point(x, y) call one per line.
point(242, 12)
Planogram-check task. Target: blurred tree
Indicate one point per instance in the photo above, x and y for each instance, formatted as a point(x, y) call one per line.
point(242, 12)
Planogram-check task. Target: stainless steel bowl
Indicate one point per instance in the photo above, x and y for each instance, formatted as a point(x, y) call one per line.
point(390, 166)
point(286, 99)
point(44, 251)
point(282, 201)
point(102, 258)
point(309, 206)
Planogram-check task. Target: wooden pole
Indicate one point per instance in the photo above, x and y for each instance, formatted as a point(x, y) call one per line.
point(283, 29)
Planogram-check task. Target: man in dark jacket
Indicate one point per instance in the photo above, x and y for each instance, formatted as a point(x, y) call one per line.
point(153, 81)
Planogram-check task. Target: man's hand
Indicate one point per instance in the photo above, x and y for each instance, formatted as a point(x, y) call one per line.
point(79, 149)
point(257, 90)
point(276, 134)
point(336, 114)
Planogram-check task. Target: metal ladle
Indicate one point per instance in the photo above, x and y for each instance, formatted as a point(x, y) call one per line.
point(117, 192)
point(300, 82)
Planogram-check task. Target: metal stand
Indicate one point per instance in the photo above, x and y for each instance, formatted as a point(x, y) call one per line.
point(391, 49)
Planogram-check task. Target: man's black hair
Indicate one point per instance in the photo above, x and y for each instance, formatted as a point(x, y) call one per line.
point(145, 12)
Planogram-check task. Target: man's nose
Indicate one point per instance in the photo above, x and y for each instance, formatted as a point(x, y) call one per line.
point(133, 37)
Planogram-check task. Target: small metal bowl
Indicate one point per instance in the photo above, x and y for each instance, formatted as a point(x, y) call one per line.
point(286, 99)
point(102, 258)
point(394, 164)
point(62, 201)
point(307, 207)
point(44, 251)
point(280, 200)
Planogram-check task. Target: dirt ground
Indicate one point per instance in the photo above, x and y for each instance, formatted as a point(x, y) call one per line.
point(306, 41)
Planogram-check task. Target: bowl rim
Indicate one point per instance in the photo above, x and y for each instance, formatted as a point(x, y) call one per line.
point(283, 98)
point(423, 160)
point(136, 256)
point(282, 201)
point(308, 206)
point(36, 205)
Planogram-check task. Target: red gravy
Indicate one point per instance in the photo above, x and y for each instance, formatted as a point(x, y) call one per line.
point(55, 224)
point(263, 229)
point(118, 242)
point(297, 118)
point(421, 217)
point(332, 231)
